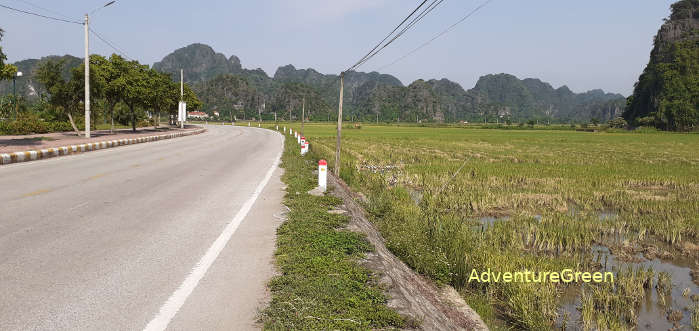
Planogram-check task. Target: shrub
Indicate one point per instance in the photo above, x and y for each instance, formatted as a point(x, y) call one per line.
point(30, 124)
point(646, 121)
point(618, 123)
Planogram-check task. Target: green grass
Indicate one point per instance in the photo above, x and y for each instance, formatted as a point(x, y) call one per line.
point(546, 187)
point(321, 286)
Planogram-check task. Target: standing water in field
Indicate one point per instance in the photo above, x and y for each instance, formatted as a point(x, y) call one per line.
point(675, 307)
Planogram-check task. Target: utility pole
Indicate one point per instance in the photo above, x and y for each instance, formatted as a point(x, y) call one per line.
point(184, 116)
point(339, 126)
point(87, 76)
point(303, 114)
point(14, 92)
point(377, 118)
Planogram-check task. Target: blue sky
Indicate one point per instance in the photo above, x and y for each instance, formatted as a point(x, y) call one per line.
point(582, 44)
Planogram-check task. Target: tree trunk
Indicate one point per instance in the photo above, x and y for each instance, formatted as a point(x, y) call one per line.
point(111, 116)
point(156, 118)
point(72, 123)
point(133, 119)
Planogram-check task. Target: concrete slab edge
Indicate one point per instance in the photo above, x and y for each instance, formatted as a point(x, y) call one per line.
point(18, 157)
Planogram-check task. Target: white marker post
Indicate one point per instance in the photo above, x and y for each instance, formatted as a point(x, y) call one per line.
point(323, 175)
point(304, 148)
point(284, 130)
point(298, 138)
point(303, 141)
point(248, 124)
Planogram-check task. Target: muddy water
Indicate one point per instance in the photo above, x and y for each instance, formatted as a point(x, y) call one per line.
point(652, 315)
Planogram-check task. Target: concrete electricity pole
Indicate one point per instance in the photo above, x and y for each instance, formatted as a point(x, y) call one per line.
point(182, 97)
point(259, 110)
point(339, 127)
point(87, 76)
point(87, 68)
point(303, 114)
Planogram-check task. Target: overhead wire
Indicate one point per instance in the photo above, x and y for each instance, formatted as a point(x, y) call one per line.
point(424, 13)
point(389, 35)
point(110, 44)
point(40, 15)
point(46, 9)
point(447, 30)
point(412, 23)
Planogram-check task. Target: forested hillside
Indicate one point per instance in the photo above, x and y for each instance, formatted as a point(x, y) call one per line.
point(225, 86)
point(369, 96)
point(28, 86)
point(667, 92)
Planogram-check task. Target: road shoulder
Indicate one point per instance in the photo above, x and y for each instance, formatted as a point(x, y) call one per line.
point(234, 290)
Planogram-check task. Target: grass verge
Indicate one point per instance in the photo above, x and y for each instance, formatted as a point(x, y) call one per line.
point(321, 285)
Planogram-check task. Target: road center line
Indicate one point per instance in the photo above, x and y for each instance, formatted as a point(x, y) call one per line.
point(170, 308)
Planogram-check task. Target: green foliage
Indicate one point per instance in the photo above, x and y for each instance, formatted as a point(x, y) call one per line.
point(6, 71)
point(112, 81)
point(523, 200)
point(668, 89)
point(61, 94)
point(29, 124)
point(618, 123)
point(367, 95)
point(321, 286)
point(230, 95)
point(685, 9)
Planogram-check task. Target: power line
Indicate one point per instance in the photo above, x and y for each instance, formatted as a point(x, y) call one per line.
point(447, 30)
point(40, 15)
point(412, 23)
point(46, 9)
point(116, 49)
point(388, 36)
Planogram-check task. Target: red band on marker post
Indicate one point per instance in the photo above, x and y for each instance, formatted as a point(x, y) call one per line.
point(322, 163)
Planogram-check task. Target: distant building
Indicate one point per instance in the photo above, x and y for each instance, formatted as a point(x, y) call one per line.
point(197, 115)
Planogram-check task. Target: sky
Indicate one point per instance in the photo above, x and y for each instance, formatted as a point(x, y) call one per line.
point(582, 44)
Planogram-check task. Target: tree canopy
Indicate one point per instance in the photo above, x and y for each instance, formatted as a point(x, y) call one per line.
point(7, 71)
point(113, 81)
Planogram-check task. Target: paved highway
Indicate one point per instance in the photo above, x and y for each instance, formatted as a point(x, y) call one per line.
point(176, 233)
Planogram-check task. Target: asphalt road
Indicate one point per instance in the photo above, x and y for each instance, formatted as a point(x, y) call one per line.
point(155, 234)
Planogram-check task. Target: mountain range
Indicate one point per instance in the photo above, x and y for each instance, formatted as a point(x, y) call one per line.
point(368, 95)
point(225, 86)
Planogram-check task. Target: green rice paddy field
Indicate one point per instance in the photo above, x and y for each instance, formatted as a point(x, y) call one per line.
point(452, 200)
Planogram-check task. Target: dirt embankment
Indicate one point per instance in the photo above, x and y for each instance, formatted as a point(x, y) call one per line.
point(410, 294)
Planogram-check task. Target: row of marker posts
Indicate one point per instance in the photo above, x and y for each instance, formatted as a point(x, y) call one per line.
point(322, 164)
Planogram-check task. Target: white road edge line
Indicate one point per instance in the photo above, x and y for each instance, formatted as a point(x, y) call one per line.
point(179, 297)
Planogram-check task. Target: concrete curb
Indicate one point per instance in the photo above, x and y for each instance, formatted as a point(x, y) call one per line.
point(18, 157)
